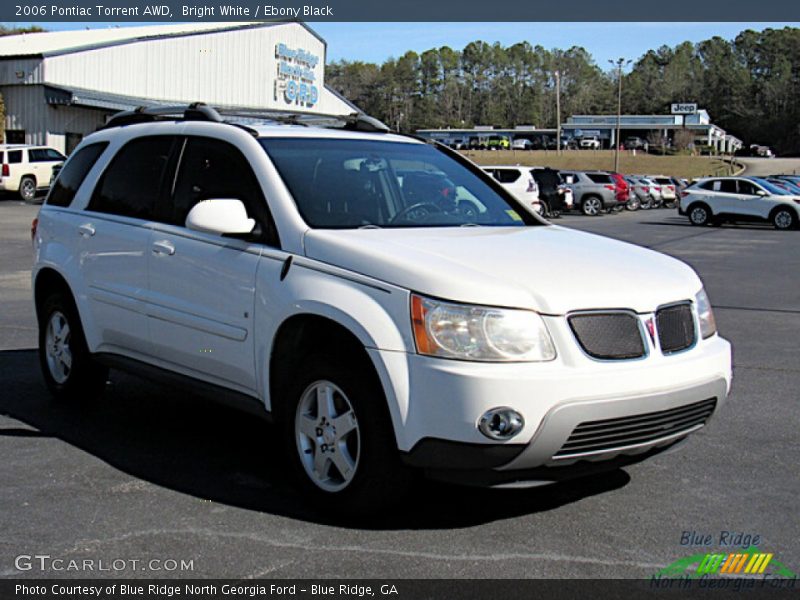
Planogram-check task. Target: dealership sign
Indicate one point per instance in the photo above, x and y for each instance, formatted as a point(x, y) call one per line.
point(296, 80)
point(684, 108)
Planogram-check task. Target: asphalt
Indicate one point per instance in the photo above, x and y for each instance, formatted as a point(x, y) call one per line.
point(152, 473)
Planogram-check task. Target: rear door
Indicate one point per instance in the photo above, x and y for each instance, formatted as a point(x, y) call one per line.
point(115, 231)
point(202, 285)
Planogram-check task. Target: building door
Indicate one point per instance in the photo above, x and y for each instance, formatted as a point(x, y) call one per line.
point(71, 141)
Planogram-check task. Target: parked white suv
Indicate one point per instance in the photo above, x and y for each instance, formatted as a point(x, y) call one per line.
point(714, 200)
point(520, 182)
point(590, 142)
point(329, 279)
point(26, 169)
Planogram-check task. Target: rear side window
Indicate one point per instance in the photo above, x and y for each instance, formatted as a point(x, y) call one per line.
point(599, 177)
point(134, 181)
point(72, 175)
point(506, 175)
point(727, 186)
point(15, 156)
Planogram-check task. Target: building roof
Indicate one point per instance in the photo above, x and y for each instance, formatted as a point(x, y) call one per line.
point(64, 42)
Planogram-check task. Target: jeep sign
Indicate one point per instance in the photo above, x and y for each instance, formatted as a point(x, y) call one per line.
point(684, 108)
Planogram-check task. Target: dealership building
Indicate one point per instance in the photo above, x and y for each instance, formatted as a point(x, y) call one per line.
point(604, 128)
point(61, 86)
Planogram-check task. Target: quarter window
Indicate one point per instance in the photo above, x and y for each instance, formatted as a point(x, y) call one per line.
point(15, 156)
point(134, 181)
point(73, 174)
point(506, 175)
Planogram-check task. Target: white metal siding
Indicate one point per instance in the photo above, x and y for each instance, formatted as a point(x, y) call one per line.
point(230, 68)
point(14, 71)
point(44, 124)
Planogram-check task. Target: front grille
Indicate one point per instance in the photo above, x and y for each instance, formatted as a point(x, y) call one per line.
point(594, 437)
point(608, 336)
point(675, 328)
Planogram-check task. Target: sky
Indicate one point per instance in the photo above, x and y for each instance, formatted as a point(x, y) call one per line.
point(375, 42)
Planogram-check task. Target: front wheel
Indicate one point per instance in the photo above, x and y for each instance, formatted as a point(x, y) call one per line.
point(784, 219)
point(633, 204)
point(338, 432)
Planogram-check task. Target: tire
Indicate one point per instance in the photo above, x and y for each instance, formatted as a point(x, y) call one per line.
point(591, 206)
point(783, 218)
point(647, 204)
point(355, 471)
point(69, 371)
point(699, 215)
point(27, 188)
point(633, 204)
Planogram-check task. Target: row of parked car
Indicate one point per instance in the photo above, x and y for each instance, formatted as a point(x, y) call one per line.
point(549, 192)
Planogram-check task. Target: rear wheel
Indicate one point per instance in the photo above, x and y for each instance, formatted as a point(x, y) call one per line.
point(591, 206)
point(699, 215)
point(784, 218)
point(339, 435)
point(27, 188)
point(69, 371)
point(633, 204)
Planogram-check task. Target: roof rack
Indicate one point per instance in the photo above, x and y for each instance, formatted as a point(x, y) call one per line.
point(199, 111)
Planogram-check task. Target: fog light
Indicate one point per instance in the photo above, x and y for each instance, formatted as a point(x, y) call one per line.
point(501, 423)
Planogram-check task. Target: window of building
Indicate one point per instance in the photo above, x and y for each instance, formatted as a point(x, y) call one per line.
point(15, 136)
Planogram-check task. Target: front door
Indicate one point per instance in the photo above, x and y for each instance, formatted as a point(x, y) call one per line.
point(202, 285)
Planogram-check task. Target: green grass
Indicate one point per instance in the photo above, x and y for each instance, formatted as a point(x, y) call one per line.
point(586, 160)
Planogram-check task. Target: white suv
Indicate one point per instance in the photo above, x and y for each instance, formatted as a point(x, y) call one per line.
point(714, 200)
point(26, 169)
point(330, 279)
point(520, 182)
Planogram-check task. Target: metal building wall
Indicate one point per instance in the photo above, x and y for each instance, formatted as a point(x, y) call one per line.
point(27, 109)
point(235, 67)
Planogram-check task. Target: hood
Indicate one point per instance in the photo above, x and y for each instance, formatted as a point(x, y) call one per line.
point(550, 269)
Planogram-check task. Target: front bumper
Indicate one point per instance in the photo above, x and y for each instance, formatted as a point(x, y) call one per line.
point(440, 432)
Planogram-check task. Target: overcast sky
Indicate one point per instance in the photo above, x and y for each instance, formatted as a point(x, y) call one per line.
point(375, 42)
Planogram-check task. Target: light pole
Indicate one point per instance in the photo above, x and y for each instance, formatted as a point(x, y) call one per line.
point(619, 63)
point(558, 112)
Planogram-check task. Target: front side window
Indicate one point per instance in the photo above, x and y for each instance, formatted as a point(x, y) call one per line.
point(212, 169)
point(351, 183)
point(72, 175)
point(135, 179)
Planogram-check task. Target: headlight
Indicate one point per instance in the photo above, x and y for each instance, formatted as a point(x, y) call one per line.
point(708, 326)
point(479, 333)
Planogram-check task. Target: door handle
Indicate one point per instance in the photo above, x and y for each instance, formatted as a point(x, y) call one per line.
point(86, 230)
point(163, 247)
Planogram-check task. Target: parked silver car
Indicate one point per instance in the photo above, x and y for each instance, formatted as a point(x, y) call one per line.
point(593, 191)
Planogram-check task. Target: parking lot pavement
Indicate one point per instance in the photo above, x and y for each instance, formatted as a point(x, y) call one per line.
point(151, 473)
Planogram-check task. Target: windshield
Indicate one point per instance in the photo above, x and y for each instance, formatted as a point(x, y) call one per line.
point(351, 183)
point(772, 189)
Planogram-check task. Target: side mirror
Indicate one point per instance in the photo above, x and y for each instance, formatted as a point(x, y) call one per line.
point(222, 216)
point(761, 193)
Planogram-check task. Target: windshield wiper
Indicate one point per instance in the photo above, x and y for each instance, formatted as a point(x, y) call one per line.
point(370, 226)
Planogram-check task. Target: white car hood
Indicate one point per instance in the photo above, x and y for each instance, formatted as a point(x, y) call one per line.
point(550, 269)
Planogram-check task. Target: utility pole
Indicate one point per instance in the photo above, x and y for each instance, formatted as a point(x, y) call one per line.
point(619, 63)
point(558, 112)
